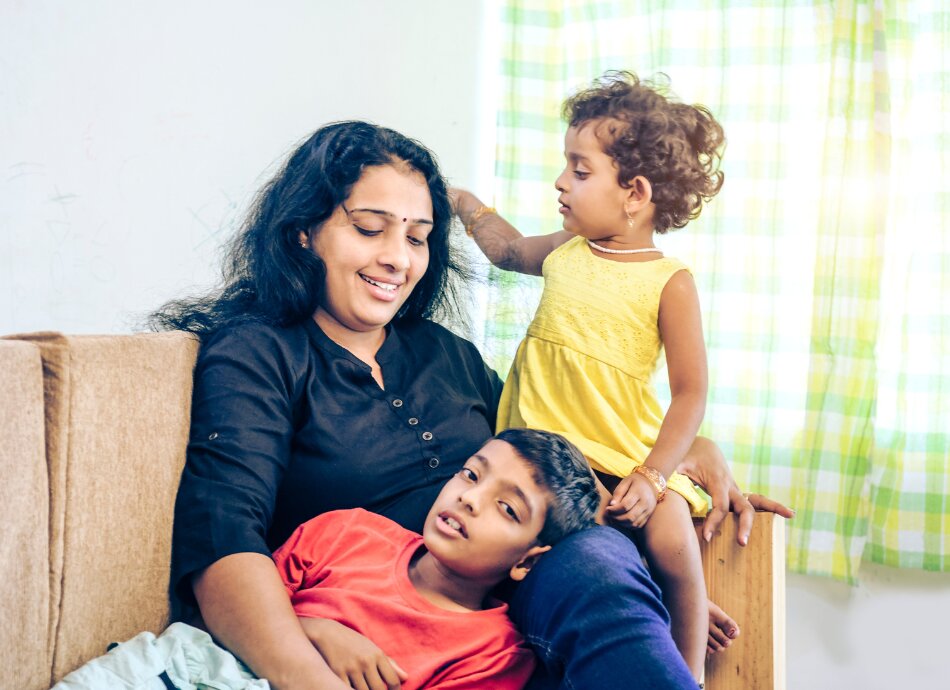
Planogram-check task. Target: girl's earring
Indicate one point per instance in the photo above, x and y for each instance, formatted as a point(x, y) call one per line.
point(303, 244)
point(630, 221)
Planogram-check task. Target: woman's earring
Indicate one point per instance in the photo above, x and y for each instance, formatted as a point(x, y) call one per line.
point(630, 221)
point(303, 244)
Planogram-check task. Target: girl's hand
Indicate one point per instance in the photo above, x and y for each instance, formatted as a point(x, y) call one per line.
point(353, 657)
point(454, 193)
point(633, 501)
point(464, 203)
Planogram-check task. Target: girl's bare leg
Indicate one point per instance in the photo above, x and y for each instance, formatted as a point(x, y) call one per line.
point(675, 562)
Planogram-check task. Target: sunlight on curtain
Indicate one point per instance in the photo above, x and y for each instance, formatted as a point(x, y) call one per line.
point(821, 264)
point(910, 467)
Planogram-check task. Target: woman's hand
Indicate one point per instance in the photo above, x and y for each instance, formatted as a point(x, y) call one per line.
point(632, 502)
point(246, 608)
point(706, 465)
point(353, 657)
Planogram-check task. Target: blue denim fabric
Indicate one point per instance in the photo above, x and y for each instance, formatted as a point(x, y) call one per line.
point(595, 618)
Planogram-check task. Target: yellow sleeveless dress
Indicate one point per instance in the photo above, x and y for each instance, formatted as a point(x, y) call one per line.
point(585, 366)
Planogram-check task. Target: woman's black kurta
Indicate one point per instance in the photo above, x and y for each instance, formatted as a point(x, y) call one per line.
point(286, 424)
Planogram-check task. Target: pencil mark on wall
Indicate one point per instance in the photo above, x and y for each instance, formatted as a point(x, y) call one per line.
point(58, 230)
point(101, 266)
point(60, 227)
point(212, 231)
point(24, 169)
point(209, 233)
point(63, 198)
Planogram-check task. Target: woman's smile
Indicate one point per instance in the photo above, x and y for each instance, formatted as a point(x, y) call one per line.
point(385, 288)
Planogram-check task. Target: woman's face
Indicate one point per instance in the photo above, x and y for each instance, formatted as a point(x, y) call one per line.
point(375, 247)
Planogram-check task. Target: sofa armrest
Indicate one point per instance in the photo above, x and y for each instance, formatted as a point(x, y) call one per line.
point(24, 515)
point(117, 419)
point(748, 583)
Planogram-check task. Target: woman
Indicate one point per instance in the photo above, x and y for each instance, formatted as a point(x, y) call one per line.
point(321, 384)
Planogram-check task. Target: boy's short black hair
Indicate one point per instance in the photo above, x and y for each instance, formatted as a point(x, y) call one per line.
point(562, 469)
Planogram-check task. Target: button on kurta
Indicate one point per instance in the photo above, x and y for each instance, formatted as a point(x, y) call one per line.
point(397, 403)
point(433, 462)
point(213, 435)
point(426, 435)
point(413, 421)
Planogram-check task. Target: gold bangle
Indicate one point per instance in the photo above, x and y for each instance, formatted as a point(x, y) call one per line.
point(654, 477)
point(475, 217)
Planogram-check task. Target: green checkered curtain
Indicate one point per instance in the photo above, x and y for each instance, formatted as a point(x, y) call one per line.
point(821, 266)
point(910, 463)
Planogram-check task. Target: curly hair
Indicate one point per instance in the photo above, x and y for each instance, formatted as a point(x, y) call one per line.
point(268, 278)
point(677, 147)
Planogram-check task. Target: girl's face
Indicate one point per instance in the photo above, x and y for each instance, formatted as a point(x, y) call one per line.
point(375, 250)
point(592, 201)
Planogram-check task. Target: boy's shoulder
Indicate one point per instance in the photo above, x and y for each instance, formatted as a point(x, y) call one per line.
point(351, 536)
point(352, 517)
point(350, 522)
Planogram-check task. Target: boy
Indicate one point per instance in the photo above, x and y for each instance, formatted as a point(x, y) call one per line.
point(388, 605)
point(390, 608)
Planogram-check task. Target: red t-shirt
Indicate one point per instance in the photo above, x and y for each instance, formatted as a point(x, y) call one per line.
point(352, 566)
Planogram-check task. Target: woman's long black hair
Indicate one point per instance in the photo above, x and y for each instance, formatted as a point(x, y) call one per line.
point(268, 276)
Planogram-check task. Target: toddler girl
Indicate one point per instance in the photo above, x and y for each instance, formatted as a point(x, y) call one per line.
point(637, 163)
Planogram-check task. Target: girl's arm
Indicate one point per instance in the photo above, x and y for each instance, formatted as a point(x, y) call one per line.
point(681, 331)
point(246, 608)
point(500, 241)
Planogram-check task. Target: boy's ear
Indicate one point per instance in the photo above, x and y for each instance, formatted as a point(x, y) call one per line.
point(520, 569)
point(639, 194)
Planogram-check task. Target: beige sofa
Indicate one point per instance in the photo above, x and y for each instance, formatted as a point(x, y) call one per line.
point(94, 430)
point(94, 433)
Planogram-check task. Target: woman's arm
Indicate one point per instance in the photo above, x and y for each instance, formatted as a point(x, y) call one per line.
point(706, 465)
point(241, 430)
point(246, 608)
point(500, 241)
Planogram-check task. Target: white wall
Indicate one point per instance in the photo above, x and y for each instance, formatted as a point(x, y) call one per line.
point(888, 632)
point(132, 134)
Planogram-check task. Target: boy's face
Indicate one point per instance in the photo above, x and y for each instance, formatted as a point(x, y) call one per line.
point(485, 522)
point(592, 200)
